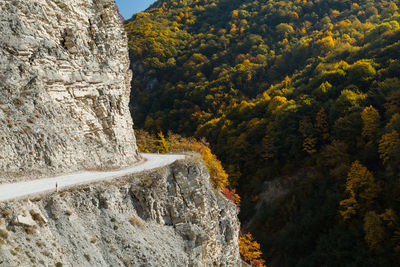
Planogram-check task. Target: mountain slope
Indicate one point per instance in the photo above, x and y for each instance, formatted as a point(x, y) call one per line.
point(212, 54)
point(166, 217)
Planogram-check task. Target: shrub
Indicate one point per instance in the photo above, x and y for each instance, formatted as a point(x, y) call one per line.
point(136, 222)
point(3, 237)
point(18, 101)
point(29, 229)
point(37, 217)
point(3, 234)
point(5, 213)
point(40, 244)
point(87, 256)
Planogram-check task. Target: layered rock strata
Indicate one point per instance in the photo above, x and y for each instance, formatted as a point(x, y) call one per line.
point(64, 87)
point(169, 217)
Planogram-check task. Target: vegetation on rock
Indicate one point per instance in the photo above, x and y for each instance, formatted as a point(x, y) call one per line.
point(149, 143)
point(248, 247)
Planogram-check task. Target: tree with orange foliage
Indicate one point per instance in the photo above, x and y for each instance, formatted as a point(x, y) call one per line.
point(232, 196)
point(235, 15)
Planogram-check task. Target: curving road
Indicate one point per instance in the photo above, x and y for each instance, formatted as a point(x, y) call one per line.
point(17, 190)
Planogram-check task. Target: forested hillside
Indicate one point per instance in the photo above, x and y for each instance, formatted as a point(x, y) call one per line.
point(308, 90)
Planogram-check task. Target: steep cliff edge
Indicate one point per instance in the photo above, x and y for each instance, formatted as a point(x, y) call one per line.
point(64, 87)
point(168, 217)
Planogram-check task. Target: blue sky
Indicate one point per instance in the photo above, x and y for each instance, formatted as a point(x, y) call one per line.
point(130, 7)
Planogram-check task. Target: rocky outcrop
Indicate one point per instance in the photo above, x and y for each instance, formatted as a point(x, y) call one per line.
point(64, 87)
point(169, 217)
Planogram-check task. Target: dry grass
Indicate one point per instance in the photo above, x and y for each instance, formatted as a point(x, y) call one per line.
point(136, 222)
point(18, 101)
point(29, 229)
point(3, 237)
point(3, 234)
point(88, 258)
point(37, 217)
point(5, 213)
point(40, 244)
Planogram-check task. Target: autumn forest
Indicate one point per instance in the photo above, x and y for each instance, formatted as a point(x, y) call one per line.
point(304, 94)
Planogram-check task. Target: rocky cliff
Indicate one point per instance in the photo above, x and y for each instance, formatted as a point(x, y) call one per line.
point(169, 217)
point(64, 87)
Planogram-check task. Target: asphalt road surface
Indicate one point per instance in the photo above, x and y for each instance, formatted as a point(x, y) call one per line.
point(18, 190)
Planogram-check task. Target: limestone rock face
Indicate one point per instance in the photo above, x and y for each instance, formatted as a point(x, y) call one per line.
point(64, 87)
point(169, 217)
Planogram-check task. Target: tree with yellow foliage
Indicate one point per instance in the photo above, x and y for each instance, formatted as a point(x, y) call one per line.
point(370, 117)
point(323, 89)
point(218, 175)
point(326, 43)
point(163, 144)
point(176, 143)
point(146, 142)
point(233, 29)
point(361, 188)
point(250, 250)
point(276, 103)
point(309, 144)
point(386, 145)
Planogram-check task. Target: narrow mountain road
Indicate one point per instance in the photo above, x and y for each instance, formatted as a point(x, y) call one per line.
point(17, 190)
